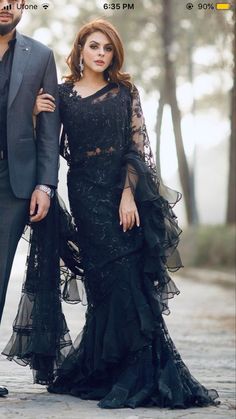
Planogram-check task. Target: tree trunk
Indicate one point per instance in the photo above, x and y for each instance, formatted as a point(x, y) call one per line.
point(182, 161)
point(170, 89)
point(193, 108)
point(158, 131)
point(231, 207)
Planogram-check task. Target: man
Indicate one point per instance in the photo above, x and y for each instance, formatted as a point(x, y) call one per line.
point(28, 156)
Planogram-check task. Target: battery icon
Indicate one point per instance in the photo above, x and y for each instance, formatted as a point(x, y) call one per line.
point(223, 6)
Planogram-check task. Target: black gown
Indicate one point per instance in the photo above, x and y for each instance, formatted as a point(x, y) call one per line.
point(124, 356)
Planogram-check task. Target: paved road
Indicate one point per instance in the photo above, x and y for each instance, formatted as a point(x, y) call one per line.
point(201, 324)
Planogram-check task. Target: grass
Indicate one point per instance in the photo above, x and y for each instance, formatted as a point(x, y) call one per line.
point(209, 246)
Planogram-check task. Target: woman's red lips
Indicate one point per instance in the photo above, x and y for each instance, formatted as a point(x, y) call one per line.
point(99, 62)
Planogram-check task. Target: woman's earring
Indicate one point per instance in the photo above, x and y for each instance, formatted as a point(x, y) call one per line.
point(81, 67)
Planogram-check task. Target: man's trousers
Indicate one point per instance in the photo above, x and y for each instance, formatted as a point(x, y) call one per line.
point(14, 214)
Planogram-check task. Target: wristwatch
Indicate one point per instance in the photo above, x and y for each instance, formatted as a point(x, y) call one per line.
point(44, 188)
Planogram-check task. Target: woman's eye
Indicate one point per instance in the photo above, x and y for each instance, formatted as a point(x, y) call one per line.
point(93, 46)
point(109, 49)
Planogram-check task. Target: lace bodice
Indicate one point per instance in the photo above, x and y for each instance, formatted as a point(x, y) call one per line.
point(89, 123)
point(104, 125)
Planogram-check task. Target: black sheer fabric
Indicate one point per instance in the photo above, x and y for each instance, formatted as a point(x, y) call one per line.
point(40, 335)
point(124, 356)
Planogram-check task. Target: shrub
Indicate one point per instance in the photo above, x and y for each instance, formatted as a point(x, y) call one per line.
point(209, 246)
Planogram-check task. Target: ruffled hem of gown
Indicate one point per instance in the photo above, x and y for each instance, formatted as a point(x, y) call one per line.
point(126, 358)
point(31, 344)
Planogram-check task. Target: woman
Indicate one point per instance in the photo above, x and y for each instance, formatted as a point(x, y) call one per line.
point(127, 235)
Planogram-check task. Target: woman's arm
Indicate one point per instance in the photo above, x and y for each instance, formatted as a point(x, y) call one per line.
point(44, 103)
point(128, 210)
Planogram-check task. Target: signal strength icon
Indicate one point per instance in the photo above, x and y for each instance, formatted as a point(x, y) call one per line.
point(8, 7)
point(45, 6)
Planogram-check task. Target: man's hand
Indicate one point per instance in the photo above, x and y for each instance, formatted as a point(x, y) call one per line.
point(40, 202)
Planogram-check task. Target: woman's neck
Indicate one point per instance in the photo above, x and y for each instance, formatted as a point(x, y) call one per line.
point(92, 78)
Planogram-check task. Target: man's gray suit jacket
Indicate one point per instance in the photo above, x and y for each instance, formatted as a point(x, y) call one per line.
point(32, 153)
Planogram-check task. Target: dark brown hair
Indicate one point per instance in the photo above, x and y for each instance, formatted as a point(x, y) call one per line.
point(113, 73)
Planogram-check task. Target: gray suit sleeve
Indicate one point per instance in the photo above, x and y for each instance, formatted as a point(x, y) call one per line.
point(48, 130)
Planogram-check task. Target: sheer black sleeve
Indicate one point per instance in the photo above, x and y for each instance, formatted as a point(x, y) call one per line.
point(139, 151)
point(137, 134)
point(155, 202)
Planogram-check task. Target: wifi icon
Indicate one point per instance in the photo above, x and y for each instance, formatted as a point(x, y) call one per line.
point(45, 6)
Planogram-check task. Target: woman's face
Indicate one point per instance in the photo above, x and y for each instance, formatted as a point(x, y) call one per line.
point(97, 52)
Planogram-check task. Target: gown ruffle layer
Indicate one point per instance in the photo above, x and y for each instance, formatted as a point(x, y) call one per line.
point(40, 335)
point(124, 356)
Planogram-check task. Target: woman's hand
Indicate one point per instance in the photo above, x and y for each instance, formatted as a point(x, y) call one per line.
point(44, 103)
point(128, 210)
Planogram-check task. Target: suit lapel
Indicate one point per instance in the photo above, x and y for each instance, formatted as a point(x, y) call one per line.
point(20, 59)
